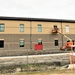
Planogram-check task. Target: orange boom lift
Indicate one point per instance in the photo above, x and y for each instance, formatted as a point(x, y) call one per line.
point(70, 44)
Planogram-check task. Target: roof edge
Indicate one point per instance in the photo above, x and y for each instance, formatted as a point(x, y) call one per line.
point(35, 19)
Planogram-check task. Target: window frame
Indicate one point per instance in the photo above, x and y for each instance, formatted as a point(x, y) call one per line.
point(2, 30)
point(23, 42)
point(2, 40)
point(56, 42)
point(21, 28)
point(39, 28)
point(67, 28)
point(39, 41)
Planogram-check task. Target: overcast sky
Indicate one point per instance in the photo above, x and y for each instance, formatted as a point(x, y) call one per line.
point(56, 9)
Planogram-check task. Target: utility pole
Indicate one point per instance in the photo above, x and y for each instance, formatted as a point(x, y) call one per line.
point(62, 33)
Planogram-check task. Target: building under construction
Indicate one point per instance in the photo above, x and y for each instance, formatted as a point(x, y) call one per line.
point(19, 35)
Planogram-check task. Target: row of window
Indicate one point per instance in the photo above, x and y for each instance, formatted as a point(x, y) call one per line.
point(2, 28)
point(39, 42)
point(22, 43)
point(56, 43)
point(2, 43)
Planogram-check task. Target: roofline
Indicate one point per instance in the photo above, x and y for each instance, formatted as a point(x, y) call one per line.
point(35, 19)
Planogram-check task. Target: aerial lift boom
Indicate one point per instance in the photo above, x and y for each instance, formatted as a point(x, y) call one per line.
point(69, 44)
point(65, 36)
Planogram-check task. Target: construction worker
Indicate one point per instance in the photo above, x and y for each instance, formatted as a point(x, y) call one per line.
point(56, 29)
point(68, 44)
point(73, 43)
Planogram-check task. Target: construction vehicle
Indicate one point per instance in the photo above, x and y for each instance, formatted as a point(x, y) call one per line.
point(70, 44)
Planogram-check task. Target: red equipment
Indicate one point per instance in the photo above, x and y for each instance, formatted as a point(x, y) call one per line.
point(38, 47)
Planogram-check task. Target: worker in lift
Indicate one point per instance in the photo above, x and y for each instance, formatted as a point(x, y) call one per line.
point(68, 44)
point(56, 28)
point(73, 43)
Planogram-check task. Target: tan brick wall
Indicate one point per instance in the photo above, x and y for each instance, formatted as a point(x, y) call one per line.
point(13, 27)
point(46, 27)
point(71, 28)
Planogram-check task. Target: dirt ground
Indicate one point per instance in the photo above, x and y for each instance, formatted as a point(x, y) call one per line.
point(42, 74)
point(69, 72)
point(72, 73)
point(60, 74)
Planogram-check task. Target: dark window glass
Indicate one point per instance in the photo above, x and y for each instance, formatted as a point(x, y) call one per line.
point(21, 43)
point(1, 43)
point(39, 41)
point(56, 42)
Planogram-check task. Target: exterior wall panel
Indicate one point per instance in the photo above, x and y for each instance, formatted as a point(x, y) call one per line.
point(46, 27)
point(71, 28)
point(48, 40)
point(12, 35)
point(13, 27)
point(11, 41)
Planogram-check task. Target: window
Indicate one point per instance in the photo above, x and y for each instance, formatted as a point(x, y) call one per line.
point(21, 27)
point(39, 28)
point(1, 27)
point(39, 42)
point(1, 43)
point(21, 43)
point(67, 28)
point(56, 42)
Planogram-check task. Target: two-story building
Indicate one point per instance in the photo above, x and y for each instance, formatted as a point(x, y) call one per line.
point(18, 35)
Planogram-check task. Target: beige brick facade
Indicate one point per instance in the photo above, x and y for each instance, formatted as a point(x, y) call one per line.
point(12, 35)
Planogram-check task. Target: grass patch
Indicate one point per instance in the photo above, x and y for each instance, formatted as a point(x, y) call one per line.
point(30, 68)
